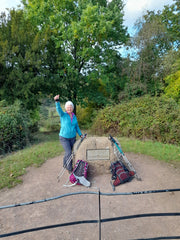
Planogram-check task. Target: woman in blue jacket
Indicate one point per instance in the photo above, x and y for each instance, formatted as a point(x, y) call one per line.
point(69, 128)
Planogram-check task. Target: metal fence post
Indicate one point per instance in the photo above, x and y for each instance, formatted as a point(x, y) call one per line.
point(99, 198)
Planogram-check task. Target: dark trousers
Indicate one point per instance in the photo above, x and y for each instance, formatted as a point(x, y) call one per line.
point(67, 144)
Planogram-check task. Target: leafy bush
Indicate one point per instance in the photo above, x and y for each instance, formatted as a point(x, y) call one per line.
point(131, 90)
point(85, 116)
point(14, 127)
point(173, 88)
point(143, 118)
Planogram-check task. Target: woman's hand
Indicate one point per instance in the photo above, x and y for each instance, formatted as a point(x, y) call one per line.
point(56, 97)
point(83, 135)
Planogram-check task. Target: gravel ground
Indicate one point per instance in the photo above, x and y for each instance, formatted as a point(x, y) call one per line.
point(41, 183)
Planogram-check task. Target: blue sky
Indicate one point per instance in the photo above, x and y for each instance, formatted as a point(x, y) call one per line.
point(133, 8)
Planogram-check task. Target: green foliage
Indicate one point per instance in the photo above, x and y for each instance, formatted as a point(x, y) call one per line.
point(157, 40)
point(85, 116)
point(160, 151)
point(152, 41)
point(14, 128)
point(133, 89)
point(143, 118)
point(86, 34)
point(172, 81)
point(28, 61)
point(169, 63)
point(173, 88)
point(170, 16)
point(19, 64)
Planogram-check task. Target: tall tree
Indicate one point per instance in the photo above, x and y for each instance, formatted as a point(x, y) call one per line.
point(26, 57)
point(152, 42)
point(86, 31)
point(20, 60)
point(171, 18)
point(157, 41)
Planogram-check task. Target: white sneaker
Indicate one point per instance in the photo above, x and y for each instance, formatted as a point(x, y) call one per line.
point(82, 180)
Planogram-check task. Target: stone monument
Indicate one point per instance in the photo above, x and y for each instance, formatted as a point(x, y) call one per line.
point(98, 152)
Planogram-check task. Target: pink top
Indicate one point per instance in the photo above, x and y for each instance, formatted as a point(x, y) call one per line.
point(72, 114)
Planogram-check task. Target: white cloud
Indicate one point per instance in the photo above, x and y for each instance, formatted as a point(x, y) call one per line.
point(9, 4)
point(133, 8)
point(136, 8)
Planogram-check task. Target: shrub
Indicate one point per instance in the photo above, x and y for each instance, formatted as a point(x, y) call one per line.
point(173, 87)
point(143, 118)
point(131, 90)
point(85, 116)
point(14, 127)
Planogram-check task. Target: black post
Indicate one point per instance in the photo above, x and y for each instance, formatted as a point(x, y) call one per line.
point(99, 216)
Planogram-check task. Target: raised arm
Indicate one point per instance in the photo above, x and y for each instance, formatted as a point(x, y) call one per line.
point(58, 106)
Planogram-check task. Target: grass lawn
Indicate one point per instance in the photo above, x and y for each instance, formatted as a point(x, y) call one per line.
point(164, 152)
point(14, 165)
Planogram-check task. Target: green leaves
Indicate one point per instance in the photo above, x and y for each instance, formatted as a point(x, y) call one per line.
point(143, 118)
point(157, 42)
point(25, 60)
point(173, 88)
point(84, 31)
point(171, 16)
point(14, 128)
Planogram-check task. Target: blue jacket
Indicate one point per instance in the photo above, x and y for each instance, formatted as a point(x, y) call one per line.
point(68, 128)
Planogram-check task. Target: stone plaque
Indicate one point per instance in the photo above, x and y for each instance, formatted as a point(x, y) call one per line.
point(97, 154)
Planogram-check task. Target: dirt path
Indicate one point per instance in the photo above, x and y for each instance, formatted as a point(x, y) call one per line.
point(41, 183)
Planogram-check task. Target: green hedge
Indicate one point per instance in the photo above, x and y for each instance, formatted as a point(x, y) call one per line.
point(155, 118)
point(14, 127)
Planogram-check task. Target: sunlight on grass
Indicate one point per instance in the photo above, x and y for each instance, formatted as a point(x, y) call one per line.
point(160, 151)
